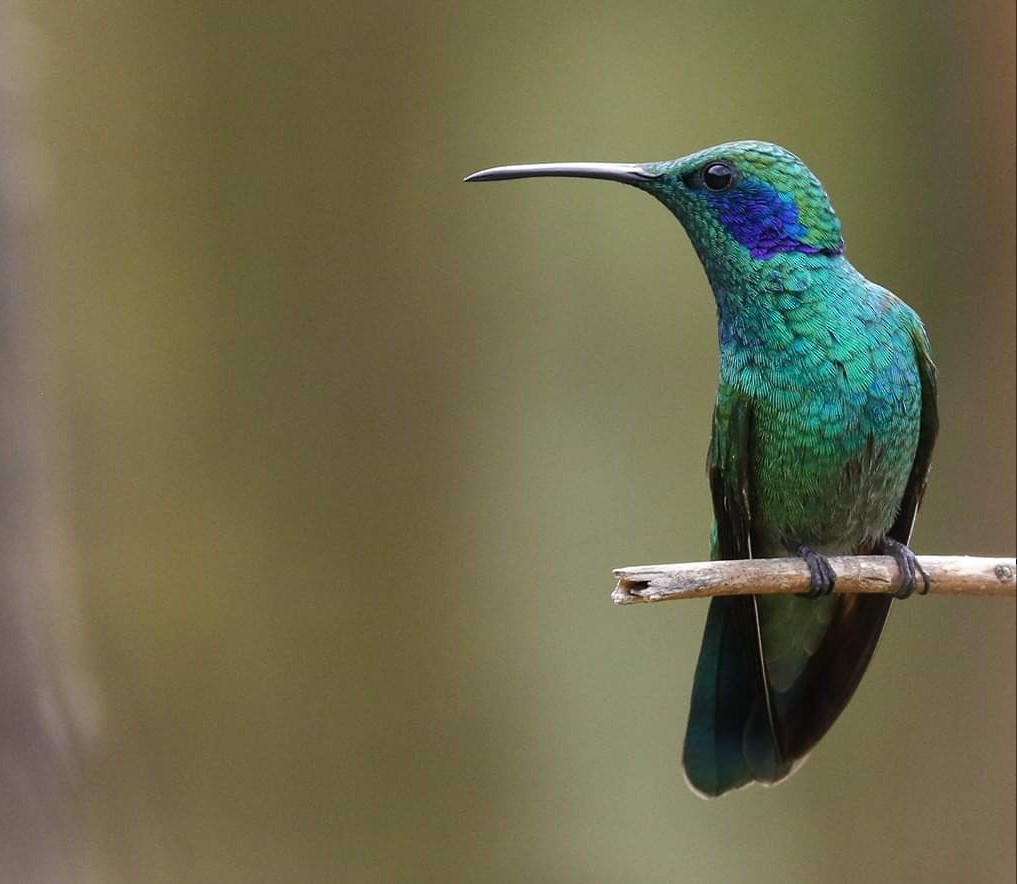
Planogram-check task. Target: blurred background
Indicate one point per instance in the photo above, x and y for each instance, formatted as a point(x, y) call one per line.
point(343, 451)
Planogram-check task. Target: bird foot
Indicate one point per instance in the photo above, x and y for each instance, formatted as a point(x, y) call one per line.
point(908, 565)
point(821, 575)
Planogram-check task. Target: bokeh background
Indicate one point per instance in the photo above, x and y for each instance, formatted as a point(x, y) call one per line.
point(348, 450)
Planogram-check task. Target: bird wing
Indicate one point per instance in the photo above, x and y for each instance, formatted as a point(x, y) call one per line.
point(927, 431)
point(729, 466)
point(732, 737)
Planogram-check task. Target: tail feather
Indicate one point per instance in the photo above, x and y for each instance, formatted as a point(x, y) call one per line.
point(810, 707)
point(741, 729)
point(729, 742)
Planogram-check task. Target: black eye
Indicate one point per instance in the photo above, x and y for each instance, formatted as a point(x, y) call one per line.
point(718, 176)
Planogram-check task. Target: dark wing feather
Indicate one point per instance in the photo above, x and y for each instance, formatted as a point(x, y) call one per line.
point(927, 432)
point(731, 738)
point(729, 465)
point(809, 708)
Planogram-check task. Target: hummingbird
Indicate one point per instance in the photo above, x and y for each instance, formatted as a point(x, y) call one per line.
point(823, 430)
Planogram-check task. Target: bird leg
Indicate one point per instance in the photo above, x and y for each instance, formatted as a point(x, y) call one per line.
point(908, 565)
point(821, 575)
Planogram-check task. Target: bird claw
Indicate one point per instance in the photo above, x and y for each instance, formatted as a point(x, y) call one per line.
point(908, 565)
point(822, 578)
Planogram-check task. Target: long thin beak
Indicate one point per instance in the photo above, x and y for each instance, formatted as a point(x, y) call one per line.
point(627, 173)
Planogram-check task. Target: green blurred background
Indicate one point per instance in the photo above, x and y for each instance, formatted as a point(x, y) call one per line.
point(352, 448)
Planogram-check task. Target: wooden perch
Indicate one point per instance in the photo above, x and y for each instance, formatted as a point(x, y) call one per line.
point(948, 575)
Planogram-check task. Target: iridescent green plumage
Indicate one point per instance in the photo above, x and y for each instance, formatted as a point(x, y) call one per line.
point(822, 438)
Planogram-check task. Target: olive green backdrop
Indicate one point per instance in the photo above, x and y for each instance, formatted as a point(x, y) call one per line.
point(351, 448)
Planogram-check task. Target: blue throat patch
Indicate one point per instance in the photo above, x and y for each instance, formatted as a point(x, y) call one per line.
point(762, 219)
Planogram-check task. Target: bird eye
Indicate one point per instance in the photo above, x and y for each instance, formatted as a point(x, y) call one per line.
point(718, 176)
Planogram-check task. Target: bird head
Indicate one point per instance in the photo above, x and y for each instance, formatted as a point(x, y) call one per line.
point(740, 203)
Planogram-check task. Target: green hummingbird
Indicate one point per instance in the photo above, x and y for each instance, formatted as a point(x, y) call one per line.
point(823, 431)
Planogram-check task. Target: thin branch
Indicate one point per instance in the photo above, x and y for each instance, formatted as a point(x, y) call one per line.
point(948, 575)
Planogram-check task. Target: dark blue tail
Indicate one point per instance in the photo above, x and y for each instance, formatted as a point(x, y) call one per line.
point(728, 719)
point(739, 730)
